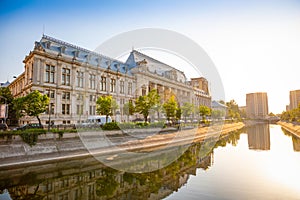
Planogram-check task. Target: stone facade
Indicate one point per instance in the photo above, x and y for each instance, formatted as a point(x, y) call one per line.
point(74, 78)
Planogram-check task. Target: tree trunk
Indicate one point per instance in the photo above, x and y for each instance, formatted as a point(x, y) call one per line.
point(39, 120)
point(145, 117)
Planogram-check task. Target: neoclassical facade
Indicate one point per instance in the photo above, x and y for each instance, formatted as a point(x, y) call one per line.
point(74, 77)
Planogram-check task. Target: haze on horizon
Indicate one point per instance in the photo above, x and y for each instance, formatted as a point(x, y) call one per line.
point(254, 45)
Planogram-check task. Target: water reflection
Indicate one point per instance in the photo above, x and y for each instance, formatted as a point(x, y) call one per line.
point(88, 179)
point(296, 140)
point(259, 137)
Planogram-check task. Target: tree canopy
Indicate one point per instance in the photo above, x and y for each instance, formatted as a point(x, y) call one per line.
point(32, 104)
point(204, 111)
point(106, 105)
point(144, 103)
point(170, 107)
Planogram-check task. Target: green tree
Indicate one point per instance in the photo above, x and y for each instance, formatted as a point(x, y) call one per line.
point(187, 109)
point(106, 105)
point(204, 111)
point(178, 113)
point(128, 108)
point(32, 105)
point(170, 107)
point(144, 103)
point(233, 110)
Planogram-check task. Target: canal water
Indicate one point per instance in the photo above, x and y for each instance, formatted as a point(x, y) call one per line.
point(259, 162)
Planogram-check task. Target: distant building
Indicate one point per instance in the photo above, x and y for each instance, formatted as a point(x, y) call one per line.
point(74, 77)
point(257, 105)
point(294, 99)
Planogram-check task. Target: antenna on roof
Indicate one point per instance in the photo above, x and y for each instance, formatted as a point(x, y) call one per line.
point(132, 47)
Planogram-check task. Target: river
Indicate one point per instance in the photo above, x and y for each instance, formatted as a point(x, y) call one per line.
point(258, 162)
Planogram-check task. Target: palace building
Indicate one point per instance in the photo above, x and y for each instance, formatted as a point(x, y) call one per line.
point(74, 77)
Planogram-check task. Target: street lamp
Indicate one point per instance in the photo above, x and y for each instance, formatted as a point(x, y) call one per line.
point(5, 107)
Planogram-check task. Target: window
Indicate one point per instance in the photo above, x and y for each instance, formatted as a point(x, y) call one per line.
point(65, 76)
point(79, 97)
point(92, 98)
point(65, 109)
point(50, 72)
point(92, 110)
point(79, 80)
point(51, 94)
point(130, 88)
point(66, 95)
point(112, 85)
point(79, 110)
point(122, 87)
point(50, 108)
point(92, 81)
point(143, 91)
point(103, 83)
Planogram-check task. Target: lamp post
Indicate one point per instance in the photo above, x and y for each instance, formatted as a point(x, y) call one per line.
point(5, 107)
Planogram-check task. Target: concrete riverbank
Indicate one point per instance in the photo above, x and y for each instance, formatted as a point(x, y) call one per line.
point(13, 151)
point(292, 128)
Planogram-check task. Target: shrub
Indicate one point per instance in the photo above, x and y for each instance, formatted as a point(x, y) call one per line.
point(111, 126)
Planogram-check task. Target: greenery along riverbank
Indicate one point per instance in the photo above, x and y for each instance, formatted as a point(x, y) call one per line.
point(292, 128)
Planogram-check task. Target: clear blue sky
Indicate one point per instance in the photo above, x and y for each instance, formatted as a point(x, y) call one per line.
point(254, 44)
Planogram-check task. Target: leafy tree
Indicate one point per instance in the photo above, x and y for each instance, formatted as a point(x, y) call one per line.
point(204, 111)
point(217, 114)
point(32, 104)
point(128, 108)
point(106, 105)
point(233, 110)
point(187, 109)
point(170, 107)
point(144, 103)
point(178, 113)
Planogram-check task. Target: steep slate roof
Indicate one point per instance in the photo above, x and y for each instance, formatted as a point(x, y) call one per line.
point(153, 64)
point(55, 46)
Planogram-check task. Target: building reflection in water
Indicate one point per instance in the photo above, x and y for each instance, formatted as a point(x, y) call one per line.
point(259, 137)
point(88, 179)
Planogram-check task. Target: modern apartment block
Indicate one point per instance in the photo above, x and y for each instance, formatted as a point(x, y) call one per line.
point(294, 99)
point(257, 105)
point(74, 77)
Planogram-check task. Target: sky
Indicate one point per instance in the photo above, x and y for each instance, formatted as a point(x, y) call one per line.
point(254, 45)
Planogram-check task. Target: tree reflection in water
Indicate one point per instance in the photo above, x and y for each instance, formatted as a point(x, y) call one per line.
point(88, 179)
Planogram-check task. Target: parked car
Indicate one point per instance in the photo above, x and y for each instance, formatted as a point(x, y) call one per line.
point(3, 127)
point(30, 126)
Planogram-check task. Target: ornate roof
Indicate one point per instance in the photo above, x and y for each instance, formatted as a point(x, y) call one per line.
point(67, 50)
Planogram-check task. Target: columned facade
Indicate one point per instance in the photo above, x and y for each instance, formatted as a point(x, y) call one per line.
point(74, 78)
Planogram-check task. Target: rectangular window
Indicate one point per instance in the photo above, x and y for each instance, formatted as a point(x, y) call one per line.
point(80, 97)
point(122, 87)
point(65, 109)
point(66, 74)
point(130, 88)
point(51, 94)
point(79, 80)
point(92, 98)
point(112, 85)
point(50, 73)
point(66, 95)
point(50, 108)
point(92, 81)
point(79, 110)
point(92, 110)
point(103, 83)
